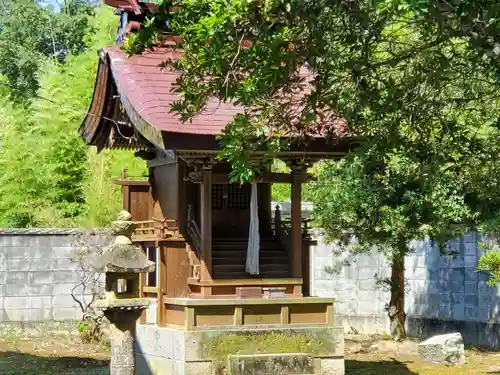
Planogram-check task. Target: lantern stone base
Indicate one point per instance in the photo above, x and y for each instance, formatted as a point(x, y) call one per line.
point(297, 350)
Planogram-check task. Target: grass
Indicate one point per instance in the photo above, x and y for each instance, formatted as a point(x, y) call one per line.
point(68, 356)
point(269, 342)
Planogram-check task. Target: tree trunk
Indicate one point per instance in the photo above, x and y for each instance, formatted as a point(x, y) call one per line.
point(396, 308)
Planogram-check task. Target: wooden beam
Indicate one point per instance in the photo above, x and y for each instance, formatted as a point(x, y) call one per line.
point(206, 226)
point(247, 282)
point(285, 315)
point(286, 178)
point(131, 182)
point(149, 289)
point(248, 301)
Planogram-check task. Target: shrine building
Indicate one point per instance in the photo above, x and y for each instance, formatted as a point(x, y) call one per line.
point(227, 267)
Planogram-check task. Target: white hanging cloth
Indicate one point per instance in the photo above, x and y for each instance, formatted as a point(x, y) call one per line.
point(252, 266)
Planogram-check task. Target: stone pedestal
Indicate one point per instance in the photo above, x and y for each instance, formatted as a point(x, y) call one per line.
point(122, 332)
point(123, 316)
point(298, 350)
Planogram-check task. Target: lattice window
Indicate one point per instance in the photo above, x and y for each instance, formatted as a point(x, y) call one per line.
point(217, 196)
point(239, 196)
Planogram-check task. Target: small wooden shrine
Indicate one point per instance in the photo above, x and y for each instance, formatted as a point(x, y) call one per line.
point(191, 221)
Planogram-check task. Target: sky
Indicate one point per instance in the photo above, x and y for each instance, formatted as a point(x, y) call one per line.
point(52, 3)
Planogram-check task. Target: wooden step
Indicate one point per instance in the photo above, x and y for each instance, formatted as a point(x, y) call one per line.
point(243, 252)
point(224, 261)
point(233, 260)
point(229, 259)
point(244, 275)
point(243, 255)
point(242, 239)
point(244, 245)
point(273, 246)
point(241, 267)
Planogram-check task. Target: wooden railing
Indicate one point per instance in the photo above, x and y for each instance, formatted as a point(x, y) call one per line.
point(156, 229)
point(282, 226)
point(195, 236)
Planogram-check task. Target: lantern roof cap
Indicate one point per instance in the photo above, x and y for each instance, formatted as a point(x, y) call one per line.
point(122, 256)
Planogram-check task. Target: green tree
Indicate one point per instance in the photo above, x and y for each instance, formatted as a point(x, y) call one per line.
point(475, 20)
point(29, 34)
point(23, 180)
point(484, 176)
point(387, 204)
point(48, 177)
point(381, 66)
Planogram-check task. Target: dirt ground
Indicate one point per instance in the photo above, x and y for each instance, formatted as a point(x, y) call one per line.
point(364, 356)
point(369, 355)
point(63, 355)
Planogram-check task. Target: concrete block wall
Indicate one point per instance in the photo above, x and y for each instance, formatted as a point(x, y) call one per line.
point(444, 293)
point(37, 275)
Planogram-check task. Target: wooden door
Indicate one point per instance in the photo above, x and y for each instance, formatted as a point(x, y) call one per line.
point(231, 210)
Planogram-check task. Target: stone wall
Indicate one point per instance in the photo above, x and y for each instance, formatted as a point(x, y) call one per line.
point(444, 294)
point(170, 350)
point(37, 275)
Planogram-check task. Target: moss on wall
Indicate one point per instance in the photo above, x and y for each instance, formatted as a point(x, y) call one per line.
point(264, 342)
point(219, 346)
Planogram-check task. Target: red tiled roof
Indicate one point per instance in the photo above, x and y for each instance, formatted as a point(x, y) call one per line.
point(148, 88)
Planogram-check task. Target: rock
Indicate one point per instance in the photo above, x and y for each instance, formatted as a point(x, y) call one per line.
point(447, 348)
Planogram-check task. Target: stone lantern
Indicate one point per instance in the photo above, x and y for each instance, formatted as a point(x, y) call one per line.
point(122, 262)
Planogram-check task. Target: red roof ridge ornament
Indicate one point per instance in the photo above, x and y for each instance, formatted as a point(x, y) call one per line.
point(126, 5)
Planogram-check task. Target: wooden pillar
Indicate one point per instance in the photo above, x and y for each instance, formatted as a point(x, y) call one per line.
point(161, 282)
point(142, 284)
point(330, 315)
point(206, 226)
point(238, 316)
point(296, 224)
point(285, 315)
point(306, 273)
point(125, 192)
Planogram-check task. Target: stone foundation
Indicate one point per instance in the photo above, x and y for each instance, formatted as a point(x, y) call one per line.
point(304, 351)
